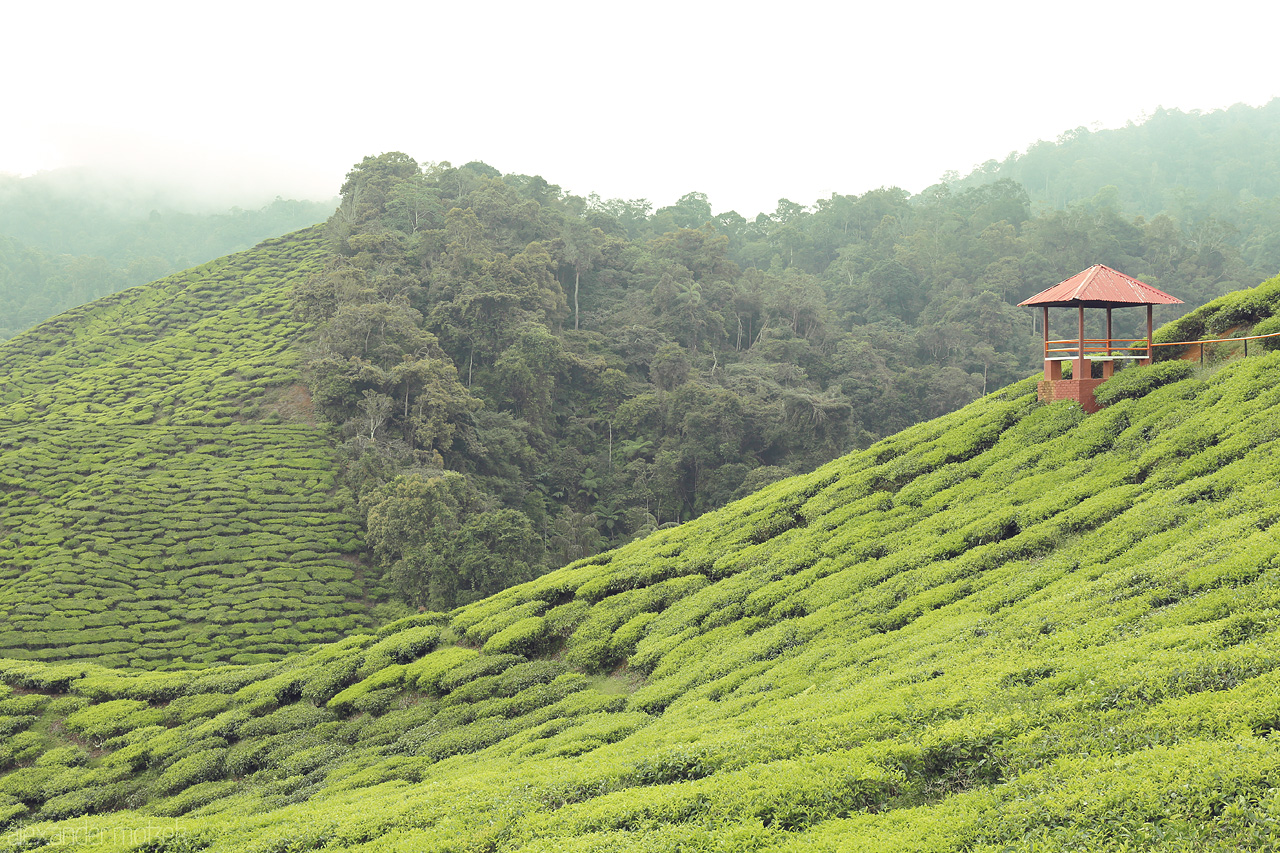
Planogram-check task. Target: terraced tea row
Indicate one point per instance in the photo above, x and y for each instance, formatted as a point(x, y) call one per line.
point(167, 544)
point(217, 332)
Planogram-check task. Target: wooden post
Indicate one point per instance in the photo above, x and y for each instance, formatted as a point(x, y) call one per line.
point(1045, 326)
point(1108, 330)
point(1080, 370)
point(1150, 331)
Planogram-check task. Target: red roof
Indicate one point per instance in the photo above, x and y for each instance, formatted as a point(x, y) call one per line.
point(1101, 287)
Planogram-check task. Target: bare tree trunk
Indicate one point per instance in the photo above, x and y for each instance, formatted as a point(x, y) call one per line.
point(576, 276)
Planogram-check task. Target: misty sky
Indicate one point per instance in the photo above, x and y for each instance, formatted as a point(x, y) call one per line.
point(746, 102)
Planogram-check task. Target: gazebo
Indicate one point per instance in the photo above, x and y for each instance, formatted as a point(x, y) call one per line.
point(1097, 287)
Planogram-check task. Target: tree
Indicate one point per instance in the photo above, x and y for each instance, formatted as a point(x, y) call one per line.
point(693, 210)
point(369, 186)
point(582, 250)
point(442, 546)
point(376, 408)
point(574, 536)
point(670, 367)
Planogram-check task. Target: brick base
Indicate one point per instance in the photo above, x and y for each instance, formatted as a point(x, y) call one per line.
point(1077, 390)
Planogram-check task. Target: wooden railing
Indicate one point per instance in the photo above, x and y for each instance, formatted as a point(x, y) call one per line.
point(1096, 346)
point(1201, 344)
point(1125, 347)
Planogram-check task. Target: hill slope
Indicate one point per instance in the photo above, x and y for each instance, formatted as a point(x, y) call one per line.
point(163, 498)
point(69, 236)
point(1167, 161)
point(1015, 627)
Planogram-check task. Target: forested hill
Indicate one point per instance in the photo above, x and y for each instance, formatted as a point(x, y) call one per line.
point(1170, 161)
point(166, 499)
point(594, 369)
point(1215, 174)
point(1013, 627)
point(68, 237)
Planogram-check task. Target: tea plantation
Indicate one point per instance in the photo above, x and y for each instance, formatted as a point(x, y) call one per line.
point(164, 501)
point(1013, 628)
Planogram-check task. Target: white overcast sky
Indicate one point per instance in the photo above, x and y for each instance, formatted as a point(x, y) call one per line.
point(747, 102)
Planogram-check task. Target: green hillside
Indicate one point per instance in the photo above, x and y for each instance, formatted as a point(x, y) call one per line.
point(1168, 161)
point(69, 236)
point(164, 498)
point(1015, 627)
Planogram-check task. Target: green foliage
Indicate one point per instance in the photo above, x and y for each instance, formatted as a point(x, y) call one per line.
point(523, 637)
point(65, 756)
point(106, 719)
point(442, 545)
point(1229, 315)
point(192, 770)
point(1269, 326)
point(403, 646)
point(707, 356)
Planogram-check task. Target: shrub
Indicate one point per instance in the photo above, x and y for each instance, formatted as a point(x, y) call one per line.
point(300, 716)
point(414, 621)
point(99, 722)
point(66, 756)
point(27, 784)
point(11, 811)
point(401, 647)
point(325, 681)
point(204, 766)
point(429, 672)
point(375, 702)
point(194, 797)
point(522, 638)
point(12, 725)
point(187, 708)
point(478, 667)
point(1270, 326)
point(18, 706)
point(1137, 382)
point(79, 802)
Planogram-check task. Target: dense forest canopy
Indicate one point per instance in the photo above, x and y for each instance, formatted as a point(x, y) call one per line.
point(594, 369)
